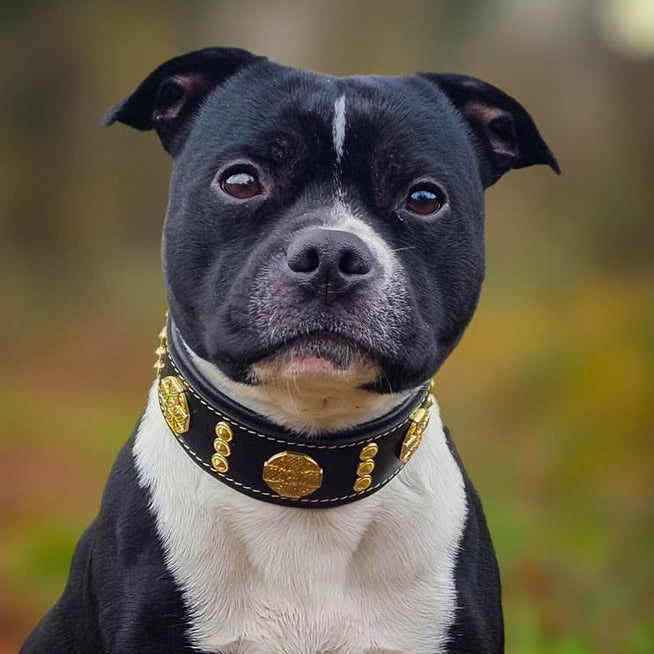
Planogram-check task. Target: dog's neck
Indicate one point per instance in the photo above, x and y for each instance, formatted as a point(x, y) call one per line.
point(305, 404)
point(233, 439)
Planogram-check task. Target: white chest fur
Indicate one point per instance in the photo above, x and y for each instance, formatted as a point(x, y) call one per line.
point(373, 576)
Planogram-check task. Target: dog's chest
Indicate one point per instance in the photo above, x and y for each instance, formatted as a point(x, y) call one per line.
point(372, 577)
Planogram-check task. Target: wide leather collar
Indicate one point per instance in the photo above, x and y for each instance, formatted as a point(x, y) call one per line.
point(243, 450)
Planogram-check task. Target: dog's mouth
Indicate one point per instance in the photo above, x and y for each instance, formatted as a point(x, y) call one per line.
point(320, 355)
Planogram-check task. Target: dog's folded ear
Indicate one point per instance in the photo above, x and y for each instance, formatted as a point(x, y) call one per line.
point(505, 132)
point(170, 94)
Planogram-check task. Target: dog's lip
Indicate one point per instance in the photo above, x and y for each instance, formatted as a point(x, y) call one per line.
point(286, 346)
point(324, 356)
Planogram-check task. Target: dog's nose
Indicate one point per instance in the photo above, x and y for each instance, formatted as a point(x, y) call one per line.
point(329, 262)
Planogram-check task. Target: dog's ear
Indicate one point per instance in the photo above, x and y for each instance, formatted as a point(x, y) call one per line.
point(504, 130)
point(169, 95)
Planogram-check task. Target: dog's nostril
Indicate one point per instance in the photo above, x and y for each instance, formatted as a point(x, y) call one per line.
point(352, 263)
point(328, 262)
point(304, 259)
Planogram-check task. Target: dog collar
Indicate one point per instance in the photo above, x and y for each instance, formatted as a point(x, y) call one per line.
point(245, 451)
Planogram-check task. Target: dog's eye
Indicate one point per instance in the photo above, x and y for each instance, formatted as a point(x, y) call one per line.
point(425, 198)
point(240, 183)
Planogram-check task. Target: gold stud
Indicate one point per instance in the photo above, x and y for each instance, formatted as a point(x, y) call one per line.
point(222, 447)
point(365, 468)
point(224, 431)
point(292, 475)
point(369, 451)
point(161, 352)
point(411, 441)
point(362, 483)
point(219, 463)
point(224, 434)
point(419, 421)
point(363, 480)
point(174, 407)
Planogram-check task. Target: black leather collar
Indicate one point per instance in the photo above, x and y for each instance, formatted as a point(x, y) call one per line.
point(253, 456)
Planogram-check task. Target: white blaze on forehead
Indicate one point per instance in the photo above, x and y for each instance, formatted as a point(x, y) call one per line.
point(338, 127)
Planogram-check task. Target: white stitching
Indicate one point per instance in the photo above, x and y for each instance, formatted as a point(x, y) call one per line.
point(283, 442)
point(260, 492)
point(279, 440)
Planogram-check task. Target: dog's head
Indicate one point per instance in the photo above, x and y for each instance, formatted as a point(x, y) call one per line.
point(321, 227)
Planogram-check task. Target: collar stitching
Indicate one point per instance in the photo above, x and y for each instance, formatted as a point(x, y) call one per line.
point(260, 492)
point(279, 440)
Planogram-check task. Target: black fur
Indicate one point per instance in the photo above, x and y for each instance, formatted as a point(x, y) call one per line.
point(120, 597)
point(226, 271)
point(222, 259)
point(478, 626)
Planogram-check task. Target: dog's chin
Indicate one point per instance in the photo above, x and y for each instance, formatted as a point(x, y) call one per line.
point(312, 385)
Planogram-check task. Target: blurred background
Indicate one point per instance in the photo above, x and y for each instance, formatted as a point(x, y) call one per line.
point(550, 395)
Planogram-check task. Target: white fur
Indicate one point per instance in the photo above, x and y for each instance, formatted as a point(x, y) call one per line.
point(307, 405)
point(370, 577)
point(344, 219)
point(338, 128)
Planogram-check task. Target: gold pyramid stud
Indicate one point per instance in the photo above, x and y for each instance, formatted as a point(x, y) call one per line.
point(172, 400)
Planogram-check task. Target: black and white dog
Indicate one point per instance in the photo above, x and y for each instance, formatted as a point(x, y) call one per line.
point(290, 488)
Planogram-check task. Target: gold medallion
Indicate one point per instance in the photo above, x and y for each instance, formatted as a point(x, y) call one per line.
point(292, 475)
point(414, 434)
point(172, 400)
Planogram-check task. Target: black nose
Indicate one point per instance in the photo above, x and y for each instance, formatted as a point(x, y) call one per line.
point(329, 262)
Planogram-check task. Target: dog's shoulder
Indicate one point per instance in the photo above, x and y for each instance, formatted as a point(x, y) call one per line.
point(478, 623)
point(120, 596)
point(140, 607)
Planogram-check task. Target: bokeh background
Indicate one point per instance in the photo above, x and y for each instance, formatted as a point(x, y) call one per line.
point(549, 396)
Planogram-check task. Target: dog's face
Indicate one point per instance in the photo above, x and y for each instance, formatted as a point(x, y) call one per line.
point(326, 226)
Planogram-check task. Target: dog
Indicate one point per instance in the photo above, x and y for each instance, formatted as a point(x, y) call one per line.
point(290, 487)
